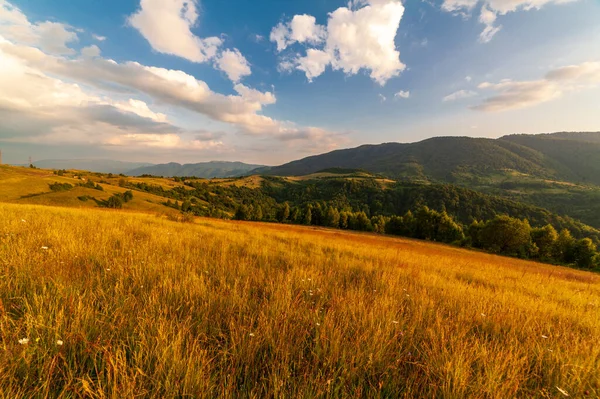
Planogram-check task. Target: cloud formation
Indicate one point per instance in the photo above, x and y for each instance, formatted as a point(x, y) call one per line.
point(490, 9)
point(514, 95)
point(167, 24)
point(52, 98)
point(360, 36)
point(402, 94)
point(51, 37)
point(459, 95)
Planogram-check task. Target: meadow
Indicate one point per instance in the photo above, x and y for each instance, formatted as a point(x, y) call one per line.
point(111, 304)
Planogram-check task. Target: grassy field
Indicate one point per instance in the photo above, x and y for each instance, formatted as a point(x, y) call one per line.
point(109, 304)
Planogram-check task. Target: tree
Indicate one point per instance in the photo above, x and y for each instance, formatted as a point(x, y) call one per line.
point(308, 216)
point(187, 206)
point(127, 196)
point(332, 217)
point(506, 235)
point(584, 252)
point(242, 213)
point(545, 239)
point(114, 202)
point(284, 212)
point(343, 220)
point(563, 247)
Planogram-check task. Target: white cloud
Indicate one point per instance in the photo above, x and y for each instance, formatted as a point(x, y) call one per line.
point(234, 64)
point(99, 38)
point(488, 18)
point(355, 39)
point(513, 95)
point(51, 37)
point(382, 98)
point(468, 78)
point(459, 95)
point(301, 29)
point(402, 94)
point(90, 51)
point(491, 8)
point(167, 24)
point(313, 64)
point(83, 115)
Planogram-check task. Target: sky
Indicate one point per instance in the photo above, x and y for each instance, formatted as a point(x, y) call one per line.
point(271, 81)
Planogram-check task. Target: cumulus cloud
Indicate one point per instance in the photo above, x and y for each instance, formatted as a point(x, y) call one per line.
point(490, 9)
point(301, 29)
point(360, 36)
point(402, 94)
point(51, 37)
point(513, 95)
point(234, 64)
point(99, 38)
point(459, 95)
point(91, 51)
point(167, 24)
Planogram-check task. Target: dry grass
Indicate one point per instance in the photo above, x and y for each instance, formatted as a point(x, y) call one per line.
point(146, 307)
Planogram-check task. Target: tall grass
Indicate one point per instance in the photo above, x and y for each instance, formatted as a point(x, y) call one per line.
point(146, 307)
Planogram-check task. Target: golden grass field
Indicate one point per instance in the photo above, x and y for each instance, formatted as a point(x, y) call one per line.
point(149, 308)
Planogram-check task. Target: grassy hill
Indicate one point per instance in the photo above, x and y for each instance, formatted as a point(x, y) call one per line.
point(110, 304)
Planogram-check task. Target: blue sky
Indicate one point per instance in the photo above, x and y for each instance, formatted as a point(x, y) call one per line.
point(272, 81)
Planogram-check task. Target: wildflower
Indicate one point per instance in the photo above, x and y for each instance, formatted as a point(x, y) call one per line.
point(544, 336)
point(318, 324)
point(59, 342)
point(562, 391)
point(23, 221)
point(107, 270)
point(45, 248)
point(483, 314)
point(251, 334)
point(24, 341)
point(37, 339)
point(395, 322)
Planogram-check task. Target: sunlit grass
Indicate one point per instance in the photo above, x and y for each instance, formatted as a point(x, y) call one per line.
point(145, 307)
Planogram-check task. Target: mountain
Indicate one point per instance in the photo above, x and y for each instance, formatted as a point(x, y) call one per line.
point(571, 157)
point(212, 169)
point(92, 165)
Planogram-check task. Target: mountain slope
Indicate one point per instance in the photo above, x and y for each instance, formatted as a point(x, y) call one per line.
point(575, 156)
point(571, 157)
point(204, 169)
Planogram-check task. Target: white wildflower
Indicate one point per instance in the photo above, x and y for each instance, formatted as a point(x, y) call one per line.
point(544, 336)
point(24, 341)
point(251, 334)
point(59, 342)
point(23, 221)
point(45, 248)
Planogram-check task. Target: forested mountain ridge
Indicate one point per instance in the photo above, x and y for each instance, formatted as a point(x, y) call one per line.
point(571, 157)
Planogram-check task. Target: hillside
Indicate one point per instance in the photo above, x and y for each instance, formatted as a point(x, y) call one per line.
point(207, 170)
point(570, 157)
point(343, 199)
point(234, 309)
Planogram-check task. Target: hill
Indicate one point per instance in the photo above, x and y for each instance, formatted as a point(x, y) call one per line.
point(107, 304)
point(94, 165)
point(214, 169)
point(570, 157)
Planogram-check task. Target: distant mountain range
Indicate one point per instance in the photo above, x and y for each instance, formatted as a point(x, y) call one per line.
point(570, 157)
point(204, 169)
point(211, 169)
point(93, 165)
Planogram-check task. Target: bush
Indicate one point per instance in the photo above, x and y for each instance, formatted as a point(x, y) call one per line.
point(60, 186)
